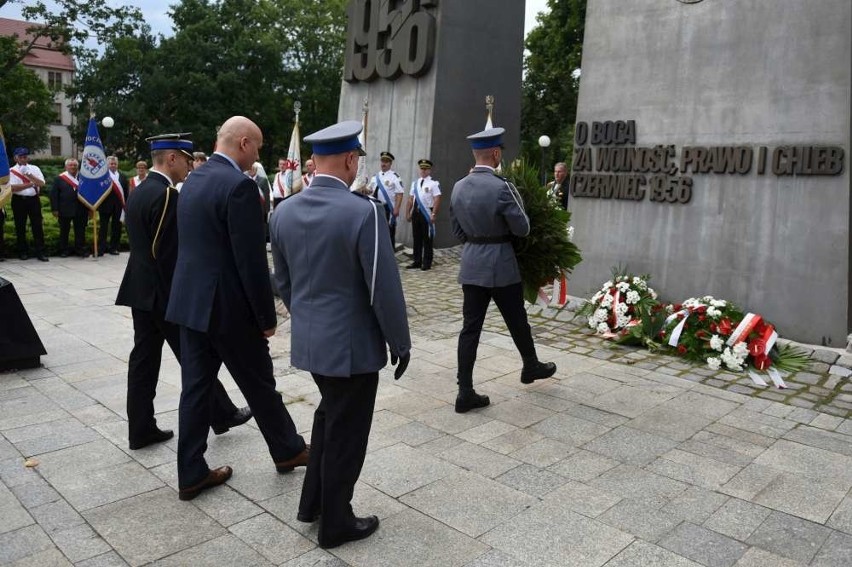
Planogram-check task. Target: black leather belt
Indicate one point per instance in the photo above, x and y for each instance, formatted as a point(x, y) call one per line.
point(489, 239)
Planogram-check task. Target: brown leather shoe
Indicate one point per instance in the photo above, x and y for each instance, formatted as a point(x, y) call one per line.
point(300, 460)
point(214, 478)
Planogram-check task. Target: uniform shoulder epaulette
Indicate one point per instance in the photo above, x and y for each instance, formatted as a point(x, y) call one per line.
point(500, 177)
point(367, 197)
point(397, 175)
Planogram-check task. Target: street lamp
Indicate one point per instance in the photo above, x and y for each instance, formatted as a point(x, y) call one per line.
point(107, 122)
point(543, 142)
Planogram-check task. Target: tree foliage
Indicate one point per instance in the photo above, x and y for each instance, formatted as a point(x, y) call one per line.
point(27, 109)
point(71, 26)
point(227, 57)
point(552, 79)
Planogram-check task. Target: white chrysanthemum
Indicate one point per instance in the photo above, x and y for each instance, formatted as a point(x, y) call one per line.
point(606, 286)
point(714, 363)
point(717, 343)
point(606, 301)
point(708, 298)
point(652, 293)
point(603, 328)
point(622, 321)
point(740, 350)
point(570, 234)
point(601, 314)
point(623, 287)
point(713, 312)
point(669, 308)
point(597, 297)
point(621, 309)
point(593, 322)
point(632, 297)
point(719, 303)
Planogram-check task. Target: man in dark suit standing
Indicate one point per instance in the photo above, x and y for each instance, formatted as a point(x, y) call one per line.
point(486, 212)
point(152, 230)
point(68, 209)
point(222, 299)
point(109, 213)
point(336, 273)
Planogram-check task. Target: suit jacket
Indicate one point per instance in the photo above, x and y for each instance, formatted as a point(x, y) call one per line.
point(112, 203)
point(485, 205)
point(147, 279)
point(559, 193)
point(221, 282)
point(336, 273)
point(63, 199)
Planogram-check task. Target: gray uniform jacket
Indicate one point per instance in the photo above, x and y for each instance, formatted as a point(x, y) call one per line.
point(484, 205)
point(336, 273)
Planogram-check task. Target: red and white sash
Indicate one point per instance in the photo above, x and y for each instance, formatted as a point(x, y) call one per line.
point(281, 189)
point(69, 180)
point(116, 188)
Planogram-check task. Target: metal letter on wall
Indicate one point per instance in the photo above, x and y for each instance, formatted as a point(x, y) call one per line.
point(387, 38)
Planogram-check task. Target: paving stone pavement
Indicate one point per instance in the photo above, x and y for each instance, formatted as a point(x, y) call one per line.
point(624, 458)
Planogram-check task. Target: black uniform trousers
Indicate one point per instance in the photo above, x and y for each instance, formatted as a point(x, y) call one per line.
point(24, 208)
point(110, 225)
point(79, 221)
point(391, 226)
point(2, 233)
point(422, 240)
point(339, 437)
point(150, 331)
point(510, 302)
point(245, 353)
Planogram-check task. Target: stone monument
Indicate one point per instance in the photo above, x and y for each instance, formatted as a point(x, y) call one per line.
point(711, 151)
point(425, 68)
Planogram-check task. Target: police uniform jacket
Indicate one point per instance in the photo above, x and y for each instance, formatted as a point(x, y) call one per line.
point(484, 206)
point(147, 279)
point(336, 273)
point(63, 199)
point(221, 280)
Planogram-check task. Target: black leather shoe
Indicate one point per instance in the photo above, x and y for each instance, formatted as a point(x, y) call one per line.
point(43, 258)
point(24, 257)
point(214, 478)
point(238, 418)
point(413, 266)
point(155, 436)
point(537, 371)
point(470, 400)
point(424, 268)
point(63, 254)
point(300, 460)
point(100, 253)
point(362, 528)
point(307, 517)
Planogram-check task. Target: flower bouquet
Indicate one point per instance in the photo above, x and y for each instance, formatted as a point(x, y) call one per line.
point(624, 302)
point(719, 333)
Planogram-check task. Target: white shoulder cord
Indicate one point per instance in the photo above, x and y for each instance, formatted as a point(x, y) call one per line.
point(159, 226)
point(517, 202)
point(375, 253)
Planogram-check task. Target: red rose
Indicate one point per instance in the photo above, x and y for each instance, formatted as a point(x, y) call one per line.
point(762, 362)
point(713, 327)
point(701, 309)
point(725, 327)
point(702, 317)
point(757, 347)
point(681, 350)
point(677, 307)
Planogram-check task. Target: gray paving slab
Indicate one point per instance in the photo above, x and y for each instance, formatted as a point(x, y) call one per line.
point(841, 518)
point(495, 558)
point(56, 516)
point(631, 446)
point(835, 552)
point(788, 536)
point(737, 519)
point(111, 559)
point(478, 459)
point(469, 502)
point(413, 433)
point(543, 453)
point(703, 546)
point(583, 499)
point(512, 441)
point(669, 423)
point(14, 515)
point(632, 482)
point(273, 539)
point(35, 493)
point(550, 534)
point(815, 437)
point(517, 412)
point(79, 543)
point(630, 401)
point(640, 519)
point(808, 461)
point(22, 543)
point(643, 554)
point(412, 538)
point(696, 504)
point(399, 469)
point(570, 430)
point(694, 469)
point(583, 465)
point(756, 557)
point(810, 498)
point(151, 526)
point(532, 480)
point(47, 558)
point(224, 550)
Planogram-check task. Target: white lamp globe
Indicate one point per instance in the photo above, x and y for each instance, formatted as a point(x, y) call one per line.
point(544, 141)
point(108, 122)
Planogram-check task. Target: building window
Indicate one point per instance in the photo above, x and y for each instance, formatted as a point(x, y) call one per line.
point(55, 146)
point(57, 108)
point(54, 80)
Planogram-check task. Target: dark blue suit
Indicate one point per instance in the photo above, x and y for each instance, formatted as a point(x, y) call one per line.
point(222, 299)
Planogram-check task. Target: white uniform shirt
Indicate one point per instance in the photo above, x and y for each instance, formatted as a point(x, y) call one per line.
point(391, 182)
point(279, 190)
point(26, 170)
point(427, 188)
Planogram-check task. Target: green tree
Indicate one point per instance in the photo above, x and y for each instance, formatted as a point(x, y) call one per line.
point(248, 57)
point(27, 107)
point(552, 79)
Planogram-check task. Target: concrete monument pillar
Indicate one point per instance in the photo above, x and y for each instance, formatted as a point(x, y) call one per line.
point(712, 153)
point(426, 66)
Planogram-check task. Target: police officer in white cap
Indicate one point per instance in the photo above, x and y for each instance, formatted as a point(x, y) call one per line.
point(486, 212)
point(336, 273)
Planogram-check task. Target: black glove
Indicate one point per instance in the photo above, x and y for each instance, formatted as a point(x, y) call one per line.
point(403, 364)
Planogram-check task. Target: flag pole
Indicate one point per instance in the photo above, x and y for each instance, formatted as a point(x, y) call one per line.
point(94, 216)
